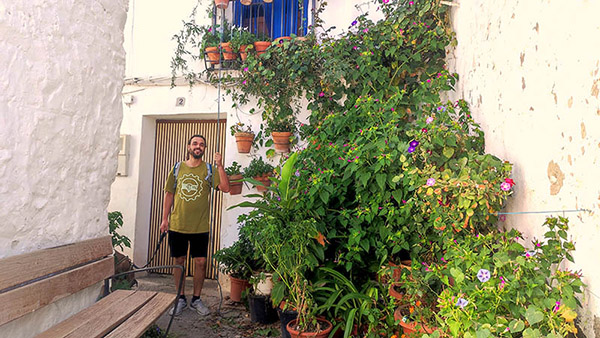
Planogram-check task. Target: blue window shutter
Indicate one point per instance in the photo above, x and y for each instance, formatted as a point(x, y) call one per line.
point(284, 14)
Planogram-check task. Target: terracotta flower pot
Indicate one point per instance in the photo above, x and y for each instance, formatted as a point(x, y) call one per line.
point(261, 46)
point(322, 334)
point(237, 287)
point(279, 41)
point(228, 53)
point(264, 179)
point(394, 293)
point(212, 54)
point(221, 3)
point(243, 53)
point(235, 188)
point(411, 327)
point(281, 139)
point(244, 142)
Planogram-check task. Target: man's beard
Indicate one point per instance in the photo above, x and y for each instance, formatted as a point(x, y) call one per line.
point(196, 156)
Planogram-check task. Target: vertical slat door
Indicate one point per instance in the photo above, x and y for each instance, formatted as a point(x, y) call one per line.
point(170, 148)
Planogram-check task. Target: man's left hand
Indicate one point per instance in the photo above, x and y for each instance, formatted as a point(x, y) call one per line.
point(218, 159)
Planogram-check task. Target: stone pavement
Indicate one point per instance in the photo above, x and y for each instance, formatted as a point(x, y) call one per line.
point(227, 319)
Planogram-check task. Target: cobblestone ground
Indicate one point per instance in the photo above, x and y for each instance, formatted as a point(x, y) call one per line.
point(227, 320)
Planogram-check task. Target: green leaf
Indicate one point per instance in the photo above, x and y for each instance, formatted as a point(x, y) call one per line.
point(324, 196)
point(380, 178)
point(533, 315)
point(483, 333)
point(457, 274)
point(516, 325)
point(448, 152)
point(364, 177)
point(531, 333)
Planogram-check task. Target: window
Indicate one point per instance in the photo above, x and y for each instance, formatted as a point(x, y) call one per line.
point(275, 19)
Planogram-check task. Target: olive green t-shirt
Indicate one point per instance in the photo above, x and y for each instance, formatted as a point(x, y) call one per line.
point(190, 214)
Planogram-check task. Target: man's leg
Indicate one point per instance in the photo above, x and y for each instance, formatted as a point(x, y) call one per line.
point(178, 245)
point(199, 273)
point(177, 274)
point(198, 250)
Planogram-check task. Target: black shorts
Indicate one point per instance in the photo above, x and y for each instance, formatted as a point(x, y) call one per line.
point(178, 243)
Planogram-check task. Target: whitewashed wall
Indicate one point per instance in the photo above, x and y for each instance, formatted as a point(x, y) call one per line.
point(530, 69)
point(60, 112)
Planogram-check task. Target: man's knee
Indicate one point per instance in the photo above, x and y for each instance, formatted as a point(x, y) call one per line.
point(179, 260)
point(200, 262)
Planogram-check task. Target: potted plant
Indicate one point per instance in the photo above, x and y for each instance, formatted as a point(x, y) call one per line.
point(238, 261)
point(235, 178)
point(503, 286)
point(210, 44)
point(263, 41)
point(244, 136)
point(240, 40)
point(281, 128)
point(258, 173)
point(289, 244)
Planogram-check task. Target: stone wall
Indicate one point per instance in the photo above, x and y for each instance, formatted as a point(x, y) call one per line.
point(61, 78)
point(530, 70)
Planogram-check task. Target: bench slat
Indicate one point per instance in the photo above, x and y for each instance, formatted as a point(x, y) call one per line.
point(137, 324)
point(29, 298)
point(70, 324)
point(105, 321)
point(19, 269)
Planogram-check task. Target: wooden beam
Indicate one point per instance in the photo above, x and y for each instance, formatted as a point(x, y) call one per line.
point(72, 323)
point(23, 300)
point(16, 270)
point(107, 320)
point(137, 324)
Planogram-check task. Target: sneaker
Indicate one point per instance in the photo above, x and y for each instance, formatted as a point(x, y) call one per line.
point(181, 304)
point(199, 307)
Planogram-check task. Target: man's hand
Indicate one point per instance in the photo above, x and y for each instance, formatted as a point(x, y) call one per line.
point(164, 226)
point(218, 160)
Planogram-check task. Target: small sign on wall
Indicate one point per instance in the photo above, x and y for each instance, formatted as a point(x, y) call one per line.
point(180, 102)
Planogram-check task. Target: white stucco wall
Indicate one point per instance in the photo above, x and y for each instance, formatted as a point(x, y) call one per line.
point(61, 79)
point(530, 69)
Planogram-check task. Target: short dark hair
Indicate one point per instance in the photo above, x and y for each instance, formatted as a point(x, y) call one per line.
point(197, 135)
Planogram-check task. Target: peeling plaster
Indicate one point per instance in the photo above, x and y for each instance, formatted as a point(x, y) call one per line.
point(556, 178)
point(570, 102)
point(583, 133)
point(595, 89)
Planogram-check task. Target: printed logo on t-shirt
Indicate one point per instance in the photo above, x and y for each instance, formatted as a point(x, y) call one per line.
point(191, 187)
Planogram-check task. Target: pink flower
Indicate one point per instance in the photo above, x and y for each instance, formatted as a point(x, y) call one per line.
point(505, 186)
point(424, 130)
point(431, 181)
point(410, 3)
point(244, 82)
point(355, 47)
point(246, 69)
point(365, 30)
point(429, 120)
point(428, 80)
point(321, 94)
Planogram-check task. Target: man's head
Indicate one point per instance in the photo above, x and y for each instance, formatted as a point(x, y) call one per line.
point(196, 146)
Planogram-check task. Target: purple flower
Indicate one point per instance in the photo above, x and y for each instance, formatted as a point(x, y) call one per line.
point(411, 149)
point(246, 69)
point(441, 108)
point(505, 186)
point(483, 275)
point(354, 22)
point(461, 303)
point(414, 143)
point(297, 173)
point(431, 182)
point(386, 1)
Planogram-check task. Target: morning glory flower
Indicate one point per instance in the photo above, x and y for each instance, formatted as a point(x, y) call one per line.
point(414, 143)
point(354, 22)
point(461, 303)
point(505, 186)
point(441, 108)
point(483, 275)
point(297, 173)
point(431, 181)
point(411, 149)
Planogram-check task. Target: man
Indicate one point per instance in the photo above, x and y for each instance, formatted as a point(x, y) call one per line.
point(189, 220)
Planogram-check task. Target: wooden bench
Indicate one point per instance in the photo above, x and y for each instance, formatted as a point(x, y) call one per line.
point(31, 281)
